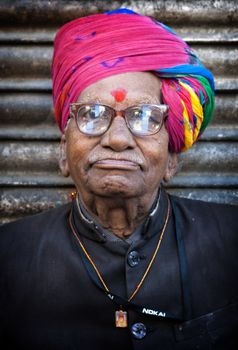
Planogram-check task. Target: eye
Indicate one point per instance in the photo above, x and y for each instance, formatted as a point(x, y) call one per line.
point(93, 119)
point(145, 119)
point(91, 112)
point(155, 116)
point(135, 118)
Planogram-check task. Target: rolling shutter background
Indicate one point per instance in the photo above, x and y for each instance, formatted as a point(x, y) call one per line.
point(30, 180)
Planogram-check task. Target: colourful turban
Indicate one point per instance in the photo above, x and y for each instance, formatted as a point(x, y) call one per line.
point(98, 46)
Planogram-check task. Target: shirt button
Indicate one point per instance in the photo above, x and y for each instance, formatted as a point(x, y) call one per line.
point(133, 258)
point(138, 330)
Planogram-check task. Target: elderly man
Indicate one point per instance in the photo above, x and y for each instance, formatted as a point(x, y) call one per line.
point(125, 265)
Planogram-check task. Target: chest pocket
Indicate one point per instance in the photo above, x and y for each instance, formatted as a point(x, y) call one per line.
point(217, 330)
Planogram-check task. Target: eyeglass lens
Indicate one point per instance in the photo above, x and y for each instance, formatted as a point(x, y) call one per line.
point(95, 119)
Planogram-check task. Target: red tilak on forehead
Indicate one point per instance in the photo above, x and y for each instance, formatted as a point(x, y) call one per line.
point(119, 94)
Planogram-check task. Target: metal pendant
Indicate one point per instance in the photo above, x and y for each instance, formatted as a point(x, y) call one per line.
point(121, 319)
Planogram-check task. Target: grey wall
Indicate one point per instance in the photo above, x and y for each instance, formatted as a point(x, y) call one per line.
point(29, 177)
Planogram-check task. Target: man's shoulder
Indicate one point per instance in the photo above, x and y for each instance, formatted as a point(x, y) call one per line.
point(38, 236)
point(38, 222)
point(207, 217)
point(200, 206)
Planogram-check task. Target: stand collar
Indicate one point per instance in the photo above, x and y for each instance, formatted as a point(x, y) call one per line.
point(90, 228)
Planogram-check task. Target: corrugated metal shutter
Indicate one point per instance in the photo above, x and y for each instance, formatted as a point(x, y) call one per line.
point(29, 177)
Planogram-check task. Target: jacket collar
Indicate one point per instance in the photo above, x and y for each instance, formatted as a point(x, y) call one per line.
point(152, 224)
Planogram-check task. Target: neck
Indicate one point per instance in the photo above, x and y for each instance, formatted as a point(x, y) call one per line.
point(119, 215)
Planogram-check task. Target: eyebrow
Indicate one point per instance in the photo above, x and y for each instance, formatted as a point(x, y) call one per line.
point(133, 101)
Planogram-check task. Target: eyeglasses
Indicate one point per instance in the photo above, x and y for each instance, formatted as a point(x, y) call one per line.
point(95, 119)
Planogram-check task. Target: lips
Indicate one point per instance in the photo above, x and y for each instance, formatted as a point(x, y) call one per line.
point(121, 164)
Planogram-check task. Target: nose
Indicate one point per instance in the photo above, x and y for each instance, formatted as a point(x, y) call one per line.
point(118, 137)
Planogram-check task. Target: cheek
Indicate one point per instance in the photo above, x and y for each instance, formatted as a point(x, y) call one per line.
point(156, 154)
point(156, 147)
point(157, 164)
point(77, 152)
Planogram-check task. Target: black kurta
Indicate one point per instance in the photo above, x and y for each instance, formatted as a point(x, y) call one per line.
point(49, 301)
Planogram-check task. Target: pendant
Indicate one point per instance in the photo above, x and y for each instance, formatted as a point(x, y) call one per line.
point(121, 319)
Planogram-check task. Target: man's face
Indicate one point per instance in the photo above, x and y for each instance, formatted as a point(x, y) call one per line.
point(117, 163)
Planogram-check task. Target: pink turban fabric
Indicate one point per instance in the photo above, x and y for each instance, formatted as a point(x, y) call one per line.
point(98, 46)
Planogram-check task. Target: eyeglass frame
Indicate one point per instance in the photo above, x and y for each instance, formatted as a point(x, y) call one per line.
point(116, 113)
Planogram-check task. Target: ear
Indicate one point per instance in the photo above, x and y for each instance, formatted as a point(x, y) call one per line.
point(63, 163)
point(172, 167)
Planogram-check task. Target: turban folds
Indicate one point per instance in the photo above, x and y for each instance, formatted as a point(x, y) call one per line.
point(91, 48)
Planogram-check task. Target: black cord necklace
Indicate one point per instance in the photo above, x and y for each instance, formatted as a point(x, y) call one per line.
point(123, 304)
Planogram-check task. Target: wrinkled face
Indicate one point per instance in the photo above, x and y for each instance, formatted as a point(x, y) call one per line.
point(118, 163)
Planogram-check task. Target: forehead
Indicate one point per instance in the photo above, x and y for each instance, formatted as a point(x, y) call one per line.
point(139, 86)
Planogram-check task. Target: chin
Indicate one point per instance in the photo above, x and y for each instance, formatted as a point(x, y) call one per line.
point(122, 186)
